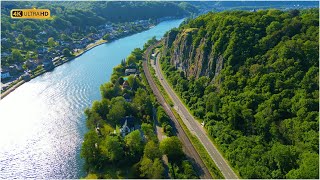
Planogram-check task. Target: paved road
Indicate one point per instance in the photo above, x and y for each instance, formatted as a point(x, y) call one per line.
point(187, 145)
point(196, 128)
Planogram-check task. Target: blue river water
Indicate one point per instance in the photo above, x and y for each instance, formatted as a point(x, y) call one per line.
point(43, 123)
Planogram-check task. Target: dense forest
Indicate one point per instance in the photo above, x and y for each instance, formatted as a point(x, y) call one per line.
point(252, 77)
point(110, 152)
point(118, 11)
point(206, 6)
point(93, 13)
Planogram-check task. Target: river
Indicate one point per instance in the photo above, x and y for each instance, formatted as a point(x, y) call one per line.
point(43, 123)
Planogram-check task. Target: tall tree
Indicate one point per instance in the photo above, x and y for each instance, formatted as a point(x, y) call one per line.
point(90, 150)
point(172, 147)
point(112, 149)
point(51, 42)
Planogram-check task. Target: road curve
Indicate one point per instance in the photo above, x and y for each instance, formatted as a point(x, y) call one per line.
point(196, 128)
point(187, 145)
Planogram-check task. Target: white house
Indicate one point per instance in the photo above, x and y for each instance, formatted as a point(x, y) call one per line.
point(130, 71)
point(127, 125)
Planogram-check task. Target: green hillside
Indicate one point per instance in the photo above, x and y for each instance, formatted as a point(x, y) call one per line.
point(252, 77)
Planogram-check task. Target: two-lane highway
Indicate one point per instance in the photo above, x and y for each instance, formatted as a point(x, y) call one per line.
point(195, 127)
point(187, 145)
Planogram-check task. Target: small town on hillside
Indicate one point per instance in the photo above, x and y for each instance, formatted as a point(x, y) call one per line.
point(51, 53)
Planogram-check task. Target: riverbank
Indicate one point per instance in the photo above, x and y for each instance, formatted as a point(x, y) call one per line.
point(19, 82)
point(136, 161)
point(50, 111)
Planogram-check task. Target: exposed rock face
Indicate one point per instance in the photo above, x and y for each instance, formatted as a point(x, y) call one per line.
point(181, 51)
point(171, 37)
point(195, 59)
point(219, 65)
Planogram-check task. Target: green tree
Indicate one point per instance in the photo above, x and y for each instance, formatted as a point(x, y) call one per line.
point(142, 102)
point(308, 168)
point(151, 150)
point(273, 27)
point(158, 169)
point(117, 110)
point(64, 37)
point(22, 39)
point(112, 149)
point(151, 169)
point(162, 117)
point(90, 151)
point(132, 82)
point(66, 52)
point(106, 37)
point(172, 147)
point(109, 90)
point(101, 107)
point(30, 44)
point(93, 119)
point(131, 59)
point(148, 131)
point(16, 56)
point(51, 42)
point(188, 171)
point(137, 52)
point(285, 157)
point(145, 167)
point(134, 143)
point(28, 31)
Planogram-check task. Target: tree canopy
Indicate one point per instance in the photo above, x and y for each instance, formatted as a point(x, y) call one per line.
point(252, 77)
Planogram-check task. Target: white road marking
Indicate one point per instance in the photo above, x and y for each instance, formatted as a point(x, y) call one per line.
point(197, 127)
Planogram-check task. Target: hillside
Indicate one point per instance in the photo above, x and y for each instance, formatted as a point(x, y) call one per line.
point(107, 11)
point(74, 25)
point(252, 77)
point(217, 6)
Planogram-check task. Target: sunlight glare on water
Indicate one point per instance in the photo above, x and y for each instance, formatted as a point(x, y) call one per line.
point(42, 123)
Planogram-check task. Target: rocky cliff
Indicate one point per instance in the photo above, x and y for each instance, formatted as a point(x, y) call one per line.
point(194, 59)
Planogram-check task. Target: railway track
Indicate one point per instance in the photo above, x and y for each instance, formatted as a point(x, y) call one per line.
point(188, 148)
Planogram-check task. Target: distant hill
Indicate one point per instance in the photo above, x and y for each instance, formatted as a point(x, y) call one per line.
point(112, 11)
point(250, 5)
